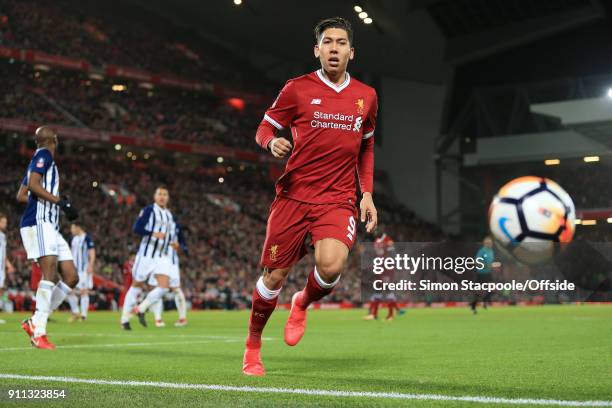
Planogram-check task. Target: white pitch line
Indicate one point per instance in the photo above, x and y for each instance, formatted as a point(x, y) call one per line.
point(156, 336)
point(314, 392)
point(168, 343)
point(152, 336)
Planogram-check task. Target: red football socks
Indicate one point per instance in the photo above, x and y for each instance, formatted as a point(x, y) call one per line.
point(315, 289)
point(374, 308)
point(392, 307)
point(260, 313)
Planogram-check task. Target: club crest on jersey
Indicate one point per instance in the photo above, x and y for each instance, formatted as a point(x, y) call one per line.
point(360, 106)
point(315, 101)
point(273, 252)
point(40, 163)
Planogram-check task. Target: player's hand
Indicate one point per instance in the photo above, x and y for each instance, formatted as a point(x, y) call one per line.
point(175, 245)
point(71, 212)
point(280, 147)
point(159, 235)
point(368, 212)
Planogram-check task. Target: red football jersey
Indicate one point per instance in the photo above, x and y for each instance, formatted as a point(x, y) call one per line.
point(328, 123)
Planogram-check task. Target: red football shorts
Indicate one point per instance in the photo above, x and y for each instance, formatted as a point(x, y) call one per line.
point(290, 222)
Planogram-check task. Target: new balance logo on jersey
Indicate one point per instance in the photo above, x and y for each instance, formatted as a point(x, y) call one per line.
point(316, 101)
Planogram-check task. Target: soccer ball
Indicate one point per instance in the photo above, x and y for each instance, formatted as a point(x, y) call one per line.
point(528, 215)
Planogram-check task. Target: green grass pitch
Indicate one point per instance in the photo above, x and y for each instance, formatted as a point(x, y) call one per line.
point(548, 352)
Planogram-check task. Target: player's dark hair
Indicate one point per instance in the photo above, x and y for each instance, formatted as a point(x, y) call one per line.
point(162, 187)
point(334, 22)
point(79, 224)
point(3, 215)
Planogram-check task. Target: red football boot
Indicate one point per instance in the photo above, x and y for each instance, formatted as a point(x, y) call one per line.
point(28, 327)
point(296, 323)
point(251, 362)
point(42, 342)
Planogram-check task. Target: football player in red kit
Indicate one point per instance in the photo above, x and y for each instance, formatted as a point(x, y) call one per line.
point(331, 117)
point(384, 246)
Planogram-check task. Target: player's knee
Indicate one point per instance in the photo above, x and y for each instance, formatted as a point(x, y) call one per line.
point(71, 280)
point(330, 269)
point(275, 278)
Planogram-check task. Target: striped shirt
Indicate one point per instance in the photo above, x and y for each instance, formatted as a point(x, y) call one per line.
point(39, 211)
point(152, 219)
point(81, 244)
point(2, 252)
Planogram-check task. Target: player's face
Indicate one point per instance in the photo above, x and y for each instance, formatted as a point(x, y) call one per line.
point(488, 242)
point(161, 197)
point(3, 223)
point(334, 50)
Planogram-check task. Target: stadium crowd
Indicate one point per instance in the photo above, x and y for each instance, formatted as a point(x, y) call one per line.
point(107, 33)
point(73, 99)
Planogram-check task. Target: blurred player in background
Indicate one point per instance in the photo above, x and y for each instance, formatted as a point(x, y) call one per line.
point(155, 224)
point(5, 264)
point(84, 254)
point(332, 118)
point(41, 238)
point(177, 244)
point(126, 278)
point(384, 246)
point(483, 274)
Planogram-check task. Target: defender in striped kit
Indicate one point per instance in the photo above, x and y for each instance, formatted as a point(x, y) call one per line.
point(84, 253)
point(156, 226)
point(42, 239)
point(177, 245)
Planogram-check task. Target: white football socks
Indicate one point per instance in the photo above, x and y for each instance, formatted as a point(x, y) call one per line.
point(60, 291)
point(152, 297)
point(130, 300)
point(84, 305)
point(43, 307)
point(181, 303)
point(73, 301)
point(157, 309)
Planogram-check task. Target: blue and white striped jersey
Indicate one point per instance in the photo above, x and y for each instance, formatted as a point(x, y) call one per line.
point(81, 244)
point(39, 211)
point(2, 252)
point(152, 219)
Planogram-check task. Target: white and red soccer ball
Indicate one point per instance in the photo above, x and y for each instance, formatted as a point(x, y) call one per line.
point(528, 215)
